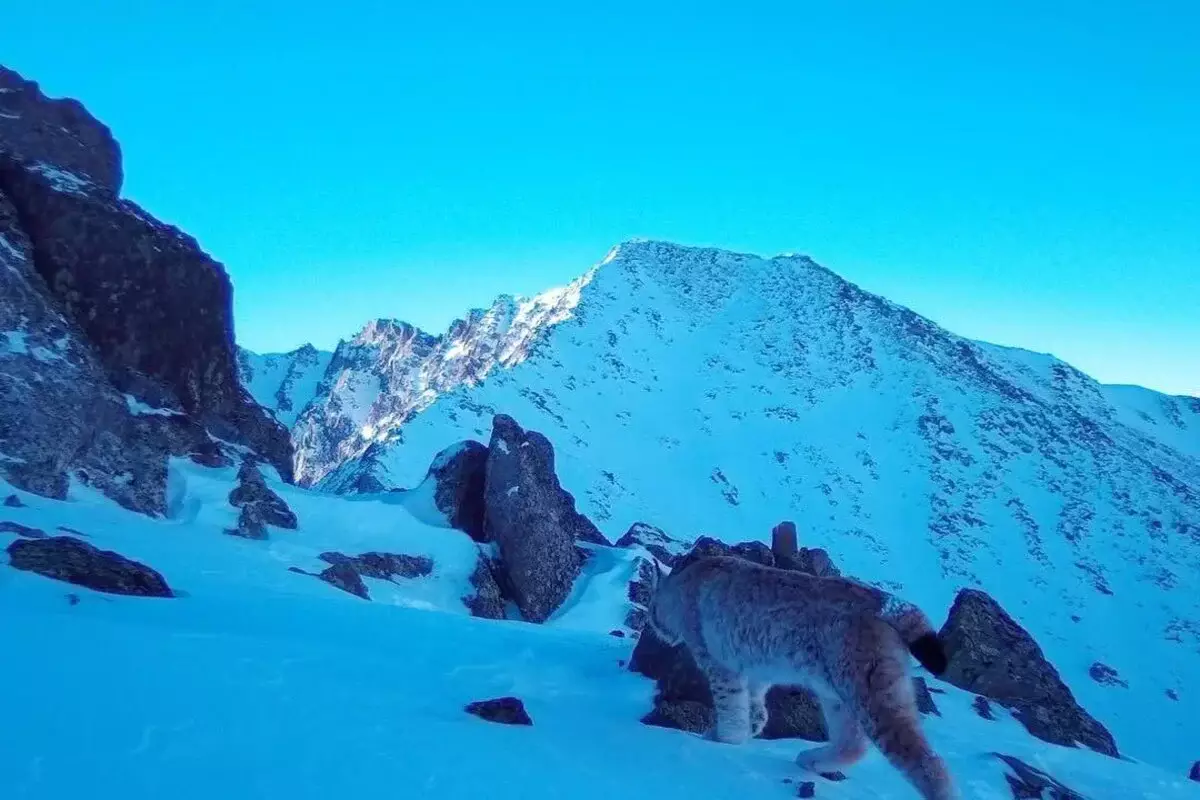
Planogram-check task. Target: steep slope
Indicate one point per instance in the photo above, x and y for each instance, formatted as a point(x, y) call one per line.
point(710, 392)
point(285, 383)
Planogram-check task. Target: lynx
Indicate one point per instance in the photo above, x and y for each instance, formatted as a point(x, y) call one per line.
point(750, 627)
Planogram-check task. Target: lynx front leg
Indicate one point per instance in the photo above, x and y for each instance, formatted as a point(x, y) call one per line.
point(847, 742)
point(731, 705)
point(758, 707)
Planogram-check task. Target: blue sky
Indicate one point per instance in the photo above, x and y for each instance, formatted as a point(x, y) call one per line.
point(1022, 172)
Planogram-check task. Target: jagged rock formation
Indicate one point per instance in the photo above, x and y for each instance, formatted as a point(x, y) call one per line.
point(455, 484)
point(117, 329)
point(65, 558)
point(991, 655)
point(656, 541)
point(259, 505)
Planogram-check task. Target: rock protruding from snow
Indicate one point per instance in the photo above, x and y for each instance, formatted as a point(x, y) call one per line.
point(1195, 773)
point(258, 502)
point(65, 558)
point(1029, 783)
point(990, 654)
point(488, 600)
point(383, 566)
point(532, 519)
point(683, 699)
point(12, 501)
point(344, 576)
point(656, 541)
point(505, 710)
point(458, 475)
point(25, 531)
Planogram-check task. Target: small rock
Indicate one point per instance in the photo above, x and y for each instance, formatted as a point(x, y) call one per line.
point(72, 531)
point(620, 634)
point(346, 578)
point(982, 707)
point(488, 600)
point(12, 501)
point(72, 599)
point(1195, 773)
point(835, 776)
point(1028, 783)
point(806, 789)
point(8, 526)
point(1106, 675)
point(1171, 693)
point(505, 710)
point(249, 525)
point(925, 702)
point(299, 571)
point(383, 566)
point(67, 559)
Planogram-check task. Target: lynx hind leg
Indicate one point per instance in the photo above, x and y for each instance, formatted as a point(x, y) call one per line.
point(847, 742)
point(731, 705)
point(888, 714)
point(758, 707)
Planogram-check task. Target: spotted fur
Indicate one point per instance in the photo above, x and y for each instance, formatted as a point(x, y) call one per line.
point(750, 627)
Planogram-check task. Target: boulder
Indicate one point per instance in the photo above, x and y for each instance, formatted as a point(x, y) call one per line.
point(505, 710)
point(384, 566)
point(345, 577)
point(12, 501)
point(252, 492)
point(68, 559)
point(1195, 773)
point(532, 520)
point(250, 524)
point(991, 655)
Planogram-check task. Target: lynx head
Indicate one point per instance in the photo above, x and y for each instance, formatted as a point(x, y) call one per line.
point(663, 616)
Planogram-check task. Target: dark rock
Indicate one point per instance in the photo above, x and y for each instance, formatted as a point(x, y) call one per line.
point(252, 491)
point(458, 473)
point(794, 712)
point(208, 453)
point(983, 708)
point(694, 716)
point(250, 524)
point(72, 531)
point(487, 602)
point(72, 599)
point(154, 308)
point(36, 128)
point(7, 526)
point(635, 619)
point(505, 710)
point(1028, 783)
point(991, 655)
point(1106, 675)
point(12, 501)
point(806, 789)
point(65, 558)
point(384, 566)
point(925, 702)
point(1171, 693)
point(346, 578)
point(836, 777)
point(1195, 773)
point(532, 519)
point(655, 540)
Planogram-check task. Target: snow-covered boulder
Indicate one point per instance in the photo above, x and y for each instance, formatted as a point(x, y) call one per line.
point(458, 474)
point(992, 655)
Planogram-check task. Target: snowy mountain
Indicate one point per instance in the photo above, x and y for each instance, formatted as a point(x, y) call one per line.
point(703, 391)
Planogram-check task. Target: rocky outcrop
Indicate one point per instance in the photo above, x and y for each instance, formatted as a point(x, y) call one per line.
point(1105, 675)
point(505, 710)
point(1195, 773)
point(12, 501)
point(25, 531)
point(117, 337)
point(258, 502)
point(532, 519)
point(68, 559)
point(991, 655)
point(345, 577)
point(683, 699)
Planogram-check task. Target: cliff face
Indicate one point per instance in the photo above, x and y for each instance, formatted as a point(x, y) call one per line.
point(108, 313)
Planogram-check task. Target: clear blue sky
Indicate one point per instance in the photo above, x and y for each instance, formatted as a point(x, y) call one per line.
point(1023, 172)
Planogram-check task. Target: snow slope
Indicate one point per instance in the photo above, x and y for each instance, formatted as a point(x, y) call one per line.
point(284, 383)
point(260, 683)
point(703, 391)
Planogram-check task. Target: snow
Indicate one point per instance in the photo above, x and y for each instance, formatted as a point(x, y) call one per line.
point(285, 383)
point(259, 682)
point(63, 180)
point(9, 251)
point(138, 408)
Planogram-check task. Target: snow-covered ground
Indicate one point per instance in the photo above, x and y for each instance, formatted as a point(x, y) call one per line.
point(258, 682)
